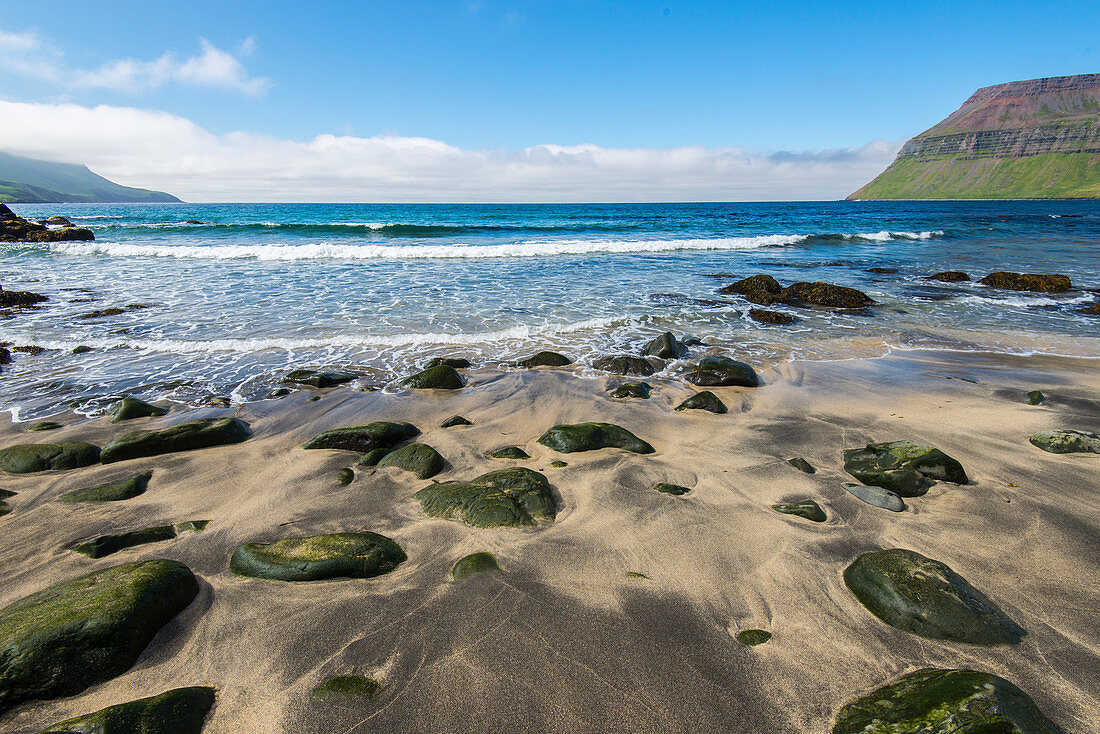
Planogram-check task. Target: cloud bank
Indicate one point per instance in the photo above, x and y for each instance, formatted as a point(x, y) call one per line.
point(162, 151)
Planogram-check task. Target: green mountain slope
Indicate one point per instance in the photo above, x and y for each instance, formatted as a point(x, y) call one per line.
point(29, 181)
point(1037, 139)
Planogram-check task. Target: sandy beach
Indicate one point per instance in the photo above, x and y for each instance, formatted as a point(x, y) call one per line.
point(562, 639)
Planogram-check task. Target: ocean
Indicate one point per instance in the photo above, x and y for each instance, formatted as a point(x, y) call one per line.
point(232, 303)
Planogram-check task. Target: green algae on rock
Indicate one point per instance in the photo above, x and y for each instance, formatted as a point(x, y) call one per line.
point(1034, 282)
point(371, 458)
point(632, 390)
point(666, 347)
point(903, 467)
point(345, 476)
point(806, 508)
point(673, 489)
point(77, 633)
point(718, 371)
point(479, 562)
point(571, 438)
point(558, 464)
point(545, 359)
point(950, 276)
point(926, 597)
point(128, 408)
point(764, 316)
point(635, 575)
point(178, 711)
point(196, 434)
point(455, 420)
point(824, 294)
point(112, 491)
point(456, 362)
point(339, 555)
point(1067, 441)
point(439, 377)
point(1035, 397)
point(347, 686)
point(28, 458)
point(319, 379)
point(44, 426)
point(509, 452)
point(625, 365)
point(419, 459)
point(105, 545)
point(752, 638)
point(802, 465)
point(377, 435)
point(939, 701)
point(513, 497)
point(705, 400)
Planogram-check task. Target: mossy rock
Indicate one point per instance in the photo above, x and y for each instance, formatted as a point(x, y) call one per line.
point(718, 371)
point(666, 347)
point(625, 365)
point(345, 476)
point(673, 489)
point(1034, 282)
point(5, 508)
point(510, 452)
point(926, 597)
point(752, 638)
point(178, 711)
point(105, 545)
point(456, 362)
point(802, 465)
point(545, 359)
point(876, 496)
point(1035, 397)
point(196, 434)
point(905, 468)
point(419, 459)
point(27, 458)
point(1067, 442)
point(315, 378)
point(474, 563)
point(635, 575)
point(938, 701)
point(340, 555)
point(371, 458)
point(705, 400)
point(455, 420)
point(762, 289)
point(81, 632)
point(347, 686)
point(82, 349)
point(824, 294)
point(440, 377)
point(44, 426)
point(128, 408)
point(638, 390)
point(764, 316)
point(802, 508)
point(513, 497)
point(950, 276)
point(571, 438)
point(558, 464)
point(377, 435)
point(112, 491)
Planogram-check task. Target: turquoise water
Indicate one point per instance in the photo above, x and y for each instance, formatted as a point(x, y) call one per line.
point(257, 289)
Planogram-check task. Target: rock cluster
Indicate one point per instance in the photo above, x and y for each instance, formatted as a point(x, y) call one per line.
point(765, 290)
point(16, 229)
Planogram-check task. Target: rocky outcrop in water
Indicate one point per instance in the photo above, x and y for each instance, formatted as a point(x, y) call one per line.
point(14, 228)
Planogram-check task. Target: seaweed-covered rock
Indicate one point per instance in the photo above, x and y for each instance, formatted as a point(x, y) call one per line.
point(1035, 397)
point(377, 435)
point(764, 316)
point(105, 545)
point(509, 452)
point(20, 299)
point(474, 563)
point(558, 464)
point(824, 294)
point(345, 476)
point(752, 638)
point(632, 390)
point(178, 711)
point(77, 633)
point(939, 701)
point(705, 400)
point(509, 497)
point(196, 434)
point(718, 371)
point(905, 468)
point(1067, 441)
point(44, 426)
point(673, 489)
point(112, 491)
point(27, 458)
point(128, 408)
point(455, 420)
point(440, 377)
point(924, 596)
point(802, 508)
point(762, 289)
point(340, 555)
point(316, 378)
point(625, 365)
point(456, 362)
point(568, 439)
point(4, 507)
point(81, 349)
point(1093, 309)
point(876, 496)
point(371, 458)
point(666, 347)
point(1034, 282)
point(347, 686)
point(545, 359)
point(950, 276)
point(418, 459)
point(802, 465)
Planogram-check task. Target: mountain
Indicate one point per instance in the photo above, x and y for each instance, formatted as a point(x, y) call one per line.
point(1037, 139)
point(30, 181)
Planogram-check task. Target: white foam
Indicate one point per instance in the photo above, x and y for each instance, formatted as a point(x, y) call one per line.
point(885, 236)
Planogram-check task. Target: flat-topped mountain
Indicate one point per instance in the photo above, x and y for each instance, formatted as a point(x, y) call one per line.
point(1037, 139)
point(30, 181)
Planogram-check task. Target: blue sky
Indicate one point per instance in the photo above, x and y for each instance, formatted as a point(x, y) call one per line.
point(488, 75)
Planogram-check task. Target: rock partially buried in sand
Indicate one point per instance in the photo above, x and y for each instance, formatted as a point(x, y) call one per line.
point(752, 638)
point(1034, 282)
point(455, 420)
point(674, 489)
point(718, 371)
point(638, 390)
point(340, 555)
point(924, 596)
point(77, 633)
point(371, 458)
point(27, 458)
point(509, 452)
point(419, 459)
point(112, 491)
point(377, 435)
point(950, 276)
point(802, 465)
point(1035, 397)
point(666, 347)
point(545, 359)
point(905, 468)
point(625, 365)
point(512, 497)
point(705, 400)
point(128, 408)
point(347, 686)
point(1067, 442)
point(345, 476)
point(440, 377)
point(938, 701)
point(5, 508)
point(179, 711)
point(802, 508)
point(456, 362)
point(196, 434)
point(318, 379)
point(876, 496)
point(105, 545)
point(44, 426)
point(568, 439)
point(474, 563)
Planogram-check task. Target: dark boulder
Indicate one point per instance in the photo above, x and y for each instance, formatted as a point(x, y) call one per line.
point(1067, 442)
point(419, 459)
point(194, 221)
point(666, 347)
point(315, 378)
point(509, 452)
point(882, 271)
point(179, 711)
point(56, 220)
point(568, 439)
point(345, 476)
point(27, 458)
point(514, 497)
point(824, 294)
point(5, 356)
point(705, 400)
point(625, 365)
point(717, 371)
point(545, 359)
point(347, 686)
point(9, 299)
point(372, 457)
point(632, 390)
point(440, 377)
point(752, 638)
point(455, 420)
point(675, 490)
point(1036, 283)
point(112, 491)
point(802, 465)
point(457, 362)
point(806, 508)
point(765, 316)
point(196, 434)
point(905, 468)
point(474, 563)
point(377, 435)
point(340, 555)
point(105, 545)
point(1035, 397)
point(68, 234)
point(950, 276)
point(128, 408)
point(762, 289)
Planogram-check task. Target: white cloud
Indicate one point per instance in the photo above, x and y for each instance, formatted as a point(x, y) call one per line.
point(26, 54)
point(163, 151)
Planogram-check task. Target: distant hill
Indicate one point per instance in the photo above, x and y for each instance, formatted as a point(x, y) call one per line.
point(1037, 139)
point(29, 181)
